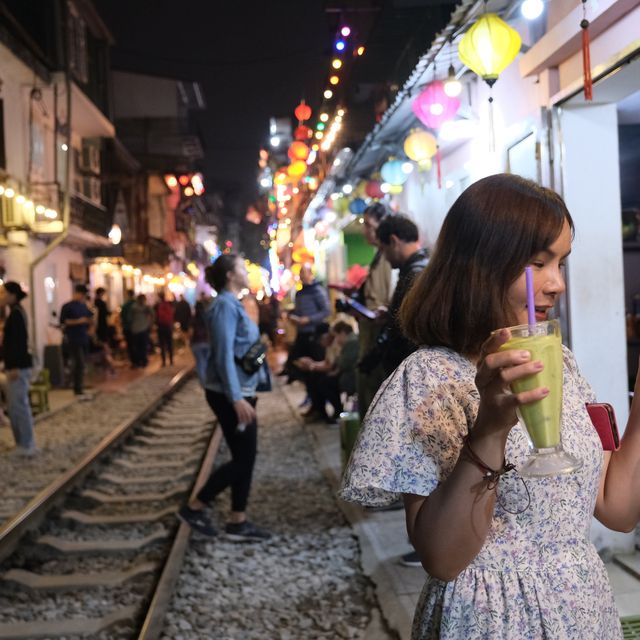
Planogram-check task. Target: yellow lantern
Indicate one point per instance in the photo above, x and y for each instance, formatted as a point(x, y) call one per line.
point(489, 47)
point(420, 145)
point(425, 165)
point(297, 169)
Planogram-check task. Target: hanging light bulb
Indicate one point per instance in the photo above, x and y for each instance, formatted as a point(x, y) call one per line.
point(345, 31)
point(328, 94)
point(336, 63)
point(452, 86)
point(532, 9)
point(115, 235)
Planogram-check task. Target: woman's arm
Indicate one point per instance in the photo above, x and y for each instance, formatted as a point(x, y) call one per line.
point(449, 527)
point(618, 503)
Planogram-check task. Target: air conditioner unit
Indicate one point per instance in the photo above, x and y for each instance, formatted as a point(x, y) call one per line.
point(91, 158)
point(11, 213)
point(92, 189)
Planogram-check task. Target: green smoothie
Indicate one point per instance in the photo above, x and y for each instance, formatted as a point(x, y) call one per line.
point(542, 418)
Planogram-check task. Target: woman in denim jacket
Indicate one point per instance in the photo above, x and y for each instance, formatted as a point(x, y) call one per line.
point(231, 394)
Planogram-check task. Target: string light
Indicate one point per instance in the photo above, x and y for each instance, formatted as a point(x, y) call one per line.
point(345, 31)
point(328, 94)
point(324, 117)
point(334, 80)
point(360, 50)
point(336, 63)
point(340, 45)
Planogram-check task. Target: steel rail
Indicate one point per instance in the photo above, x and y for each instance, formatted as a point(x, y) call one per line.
point(36, 510)
point(152, 626)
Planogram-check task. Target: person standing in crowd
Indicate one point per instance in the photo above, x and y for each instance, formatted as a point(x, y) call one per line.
point(125, 320)
point(17, 364)
point(231, 394)
point(183, 316)
point(506, 556)
point(199, 336)
point(399, 243)
point(311, 307)
point(375, 294)
point(102, 320)
point(164, 324)
point(75, 318)
point(141, 317)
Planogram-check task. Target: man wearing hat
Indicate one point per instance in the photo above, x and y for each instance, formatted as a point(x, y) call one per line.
point(17, 364)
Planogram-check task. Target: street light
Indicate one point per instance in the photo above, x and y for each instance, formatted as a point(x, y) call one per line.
point(115, 235)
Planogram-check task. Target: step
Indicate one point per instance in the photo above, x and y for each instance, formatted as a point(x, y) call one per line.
point(630, 562)
point(100, 546)
point(105, 498)
point(121, 518)
point(69, 581)
point(88, 627)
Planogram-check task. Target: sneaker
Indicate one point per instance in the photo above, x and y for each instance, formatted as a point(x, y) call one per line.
point(245, 532)
point(410, 559)
point(197, 520)
point(22, 452)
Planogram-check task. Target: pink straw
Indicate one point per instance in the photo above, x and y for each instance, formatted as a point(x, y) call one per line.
point(531, 305)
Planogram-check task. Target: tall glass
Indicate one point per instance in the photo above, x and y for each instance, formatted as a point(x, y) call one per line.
point(543, 417)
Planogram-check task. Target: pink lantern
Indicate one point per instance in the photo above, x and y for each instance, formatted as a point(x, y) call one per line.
point(433, 107)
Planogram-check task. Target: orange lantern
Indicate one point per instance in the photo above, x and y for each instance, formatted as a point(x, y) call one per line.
point(298, 151)
point(297, 169)
point(302, 111)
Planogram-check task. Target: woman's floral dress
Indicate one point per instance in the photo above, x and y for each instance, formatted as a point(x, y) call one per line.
point(538, 576)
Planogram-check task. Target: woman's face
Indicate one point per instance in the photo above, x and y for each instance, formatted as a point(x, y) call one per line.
point(238, 277)
point(548, 281)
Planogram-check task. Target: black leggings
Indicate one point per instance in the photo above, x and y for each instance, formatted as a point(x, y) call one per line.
point(238, 471)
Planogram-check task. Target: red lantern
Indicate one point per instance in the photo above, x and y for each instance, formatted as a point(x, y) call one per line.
point(302, 133)
point(302, 111)
point(433, 106)
point(298, 151)
point(372, 189)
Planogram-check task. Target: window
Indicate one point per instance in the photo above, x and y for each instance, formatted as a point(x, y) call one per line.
point(3, 159)
point(78, 59)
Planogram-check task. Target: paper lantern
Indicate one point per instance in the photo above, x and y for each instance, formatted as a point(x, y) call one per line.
point(433, 106)
point(302, 111)
point(420, 145)
point(357, 206)
point(425, 165)
point(297, 169)
point(373, 189)
point(281, 177)
point(302, 133)
point(393, 172)
point(489, 47)
point(298, 151)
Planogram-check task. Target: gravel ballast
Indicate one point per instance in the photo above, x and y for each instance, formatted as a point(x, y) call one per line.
point(306, 582)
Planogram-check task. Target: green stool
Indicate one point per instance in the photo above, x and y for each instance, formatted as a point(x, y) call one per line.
point(631, 627)
point(349, 429)
point(39, 392)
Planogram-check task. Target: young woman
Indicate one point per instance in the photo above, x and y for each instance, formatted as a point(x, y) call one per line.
point(230, 393)
point(504, 560)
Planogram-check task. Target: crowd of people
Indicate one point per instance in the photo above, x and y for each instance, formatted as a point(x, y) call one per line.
point(92, 332)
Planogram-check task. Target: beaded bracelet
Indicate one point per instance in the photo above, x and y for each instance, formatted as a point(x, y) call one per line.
point(491, 475)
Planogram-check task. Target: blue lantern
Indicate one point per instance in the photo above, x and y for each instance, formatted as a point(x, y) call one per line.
point(392, 172)
point(357, 206)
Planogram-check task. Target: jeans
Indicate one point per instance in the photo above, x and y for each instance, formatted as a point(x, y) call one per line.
point(19, 409)
point(243, 446)
point(77, 355)
point(165, 338)
point(200, 352)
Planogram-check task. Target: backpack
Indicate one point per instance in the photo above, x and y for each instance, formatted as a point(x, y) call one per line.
point(164, 314)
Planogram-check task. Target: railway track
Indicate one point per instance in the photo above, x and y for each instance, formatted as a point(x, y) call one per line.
point(97, 553)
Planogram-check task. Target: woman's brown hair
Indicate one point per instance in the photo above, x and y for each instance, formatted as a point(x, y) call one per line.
point(492, 231)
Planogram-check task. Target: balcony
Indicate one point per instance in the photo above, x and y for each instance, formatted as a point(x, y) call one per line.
point(90, 216)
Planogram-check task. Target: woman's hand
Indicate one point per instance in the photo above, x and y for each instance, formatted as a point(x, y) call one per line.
point(496, 371)
point(245, 412)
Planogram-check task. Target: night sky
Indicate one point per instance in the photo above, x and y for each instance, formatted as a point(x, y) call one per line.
point(255, 60)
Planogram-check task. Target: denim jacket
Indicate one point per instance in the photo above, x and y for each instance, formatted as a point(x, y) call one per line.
point(231, 333)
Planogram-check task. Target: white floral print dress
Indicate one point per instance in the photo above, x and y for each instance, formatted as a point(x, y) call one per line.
point(538, 576)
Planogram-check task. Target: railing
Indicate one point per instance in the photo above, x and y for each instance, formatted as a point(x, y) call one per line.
point(90, 216)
